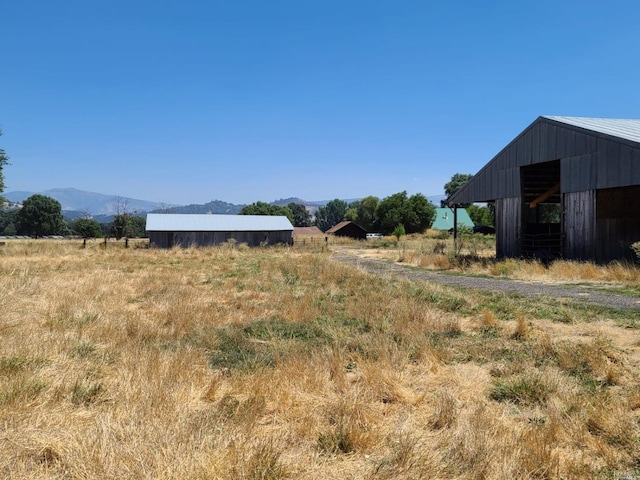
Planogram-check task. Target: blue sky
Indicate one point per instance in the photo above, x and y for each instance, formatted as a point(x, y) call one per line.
point(186, 102)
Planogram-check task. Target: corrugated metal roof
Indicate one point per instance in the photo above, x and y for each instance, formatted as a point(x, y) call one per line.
point(617, 127)
point(444, 219)
point(174, 222)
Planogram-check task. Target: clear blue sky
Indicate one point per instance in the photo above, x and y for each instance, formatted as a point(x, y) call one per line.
point(186, 102)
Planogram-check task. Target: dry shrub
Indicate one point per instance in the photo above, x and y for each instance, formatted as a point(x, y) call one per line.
point(388, 387)
point(445, 411)
point(257, 460)
point(410, 458)
point(521, 330)
point(351, 426)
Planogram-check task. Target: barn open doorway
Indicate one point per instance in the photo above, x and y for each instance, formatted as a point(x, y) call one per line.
point(542, 210)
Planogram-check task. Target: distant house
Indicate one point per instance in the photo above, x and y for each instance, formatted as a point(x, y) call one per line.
point(444, 219)
point(564, 187)
point(348, 229)
point(185, 230)
point(299, 232)
point(307, 235)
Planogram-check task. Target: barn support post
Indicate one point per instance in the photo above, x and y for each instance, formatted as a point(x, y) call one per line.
point(455, 228)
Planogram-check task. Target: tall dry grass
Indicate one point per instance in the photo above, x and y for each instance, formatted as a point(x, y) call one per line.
point(278, 363)
point(475, 254)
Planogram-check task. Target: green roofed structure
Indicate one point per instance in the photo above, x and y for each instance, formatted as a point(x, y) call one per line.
point(444, 219)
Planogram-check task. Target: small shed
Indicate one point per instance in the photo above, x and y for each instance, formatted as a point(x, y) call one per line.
point(444, 219)
point(167, 230)
point(308, 236)
point(301, 232)
point(565, 187)
point(348, 229)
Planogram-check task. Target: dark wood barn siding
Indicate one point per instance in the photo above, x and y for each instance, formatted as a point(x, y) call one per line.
point(617, 222)
point(351, 230)
point(579, 225)
point(508, 227)
point(544, 141)
point(618, 165)
point(201, 239)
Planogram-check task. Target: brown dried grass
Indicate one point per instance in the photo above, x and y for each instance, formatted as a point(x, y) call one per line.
point(278, 363)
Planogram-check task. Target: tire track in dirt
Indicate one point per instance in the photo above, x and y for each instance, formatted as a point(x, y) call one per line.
point(580, 293)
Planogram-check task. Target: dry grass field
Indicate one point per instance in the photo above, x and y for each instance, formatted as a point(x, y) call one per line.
point(279, 363)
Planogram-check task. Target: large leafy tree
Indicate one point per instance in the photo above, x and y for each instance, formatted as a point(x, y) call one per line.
point(457, 181)
point(137, 226)
point(263, 208)
point(86, 228)
point(363, 212)
point(367, 212)
point(415, 213)
point(8, 221)
point(330, 214)
point(40, 215)
point(481, 215)
point(301, 216)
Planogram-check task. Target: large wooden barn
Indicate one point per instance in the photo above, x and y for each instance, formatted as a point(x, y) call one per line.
point(167, 230)
point(565, 187)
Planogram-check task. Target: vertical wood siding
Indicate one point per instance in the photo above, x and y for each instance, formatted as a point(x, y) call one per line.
point(202, 239)
point(508, 227)
point(579, 225)
point(617, 223)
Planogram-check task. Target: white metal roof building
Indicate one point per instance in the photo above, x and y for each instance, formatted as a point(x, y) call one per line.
point(169, 230)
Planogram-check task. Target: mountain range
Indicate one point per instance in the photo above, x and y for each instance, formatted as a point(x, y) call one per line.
point(77, 203)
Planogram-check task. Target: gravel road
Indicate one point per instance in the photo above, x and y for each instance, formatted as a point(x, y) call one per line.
point(580, 293)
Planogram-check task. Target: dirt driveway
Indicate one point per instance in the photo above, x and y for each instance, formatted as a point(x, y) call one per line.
point(355, 257)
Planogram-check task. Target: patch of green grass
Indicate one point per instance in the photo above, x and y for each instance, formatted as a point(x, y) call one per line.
point(262, 343)
point(86, 392)
point(21, 390)
point(83, 349)
point(18, 363)
point(526, 389)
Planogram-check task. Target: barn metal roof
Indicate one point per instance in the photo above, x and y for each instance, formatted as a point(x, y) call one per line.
point(174, 222)
point(616, 127)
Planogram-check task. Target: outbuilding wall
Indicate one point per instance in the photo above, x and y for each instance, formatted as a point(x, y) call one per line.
point(508, 215)
point(201, 239)
point(579, 219)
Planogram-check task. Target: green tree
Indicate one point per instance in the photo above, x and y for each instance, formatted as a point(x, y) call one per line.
point(120, 227)
point(458, 180)
point(263, 208)
point(40, 215)
point(399, 231)
point(415, 213)
point(8, 221)
point(352, 211)
point(481, 215)
point(137, 226)
point(4, 160)
point(367, 212)
point(331, 214)
point(86, 228)
point(301, 216)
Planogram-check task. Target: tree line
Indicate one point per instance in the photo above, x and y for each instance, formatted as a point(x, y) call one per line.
point(413, 213)
point(42, 216)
